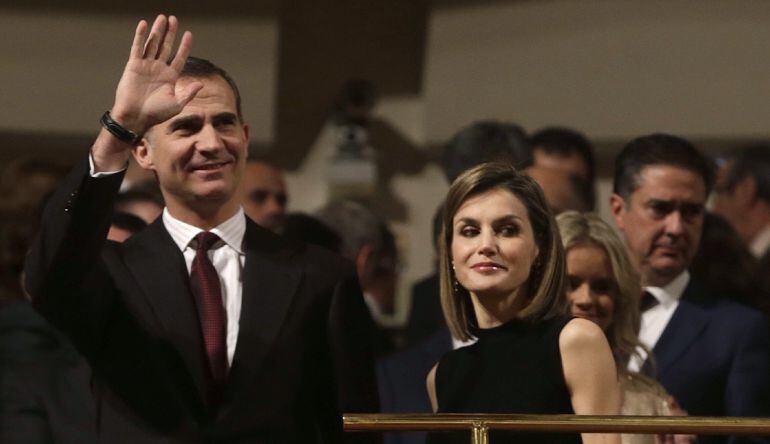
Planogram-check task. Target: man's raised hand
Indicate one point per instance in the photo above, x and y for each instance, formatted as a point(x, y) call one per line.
point(148, 92)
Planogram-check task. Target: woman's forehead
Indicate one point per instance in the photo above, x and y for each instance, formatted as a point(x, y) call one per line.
point(493, 203)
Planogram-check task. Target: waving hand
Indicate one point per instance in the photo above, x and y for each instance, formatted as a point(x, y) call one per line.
point(149, 92)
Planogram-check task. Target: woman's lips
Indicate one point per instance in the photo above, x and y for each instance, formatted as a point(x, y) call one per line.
point(488, 267)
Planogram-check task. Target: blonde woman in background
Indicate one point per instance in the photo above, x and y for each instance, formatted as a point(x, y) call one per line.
point(604, 287)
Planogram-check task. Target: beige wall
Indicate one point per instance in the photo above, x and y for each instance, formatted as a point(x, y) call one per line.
point(59, 71)
point(611, 68)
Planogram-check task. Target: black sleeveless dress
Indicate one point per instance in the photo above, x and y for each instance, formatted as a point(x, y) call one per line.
point(512, 368)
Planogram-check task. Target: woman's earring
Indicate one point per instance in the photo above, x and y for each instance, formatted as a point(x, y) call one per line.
point(456, 286)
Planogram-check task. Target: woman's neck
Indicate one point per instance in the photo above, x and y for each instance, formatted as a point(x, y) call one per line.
point(493, 310)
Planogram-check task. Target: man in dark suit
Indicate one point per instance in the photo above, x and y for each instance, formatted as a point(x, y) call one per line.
point(401, 379)
point(742, 196)
point(711, 354)
point(203, 327)
point(44, 382)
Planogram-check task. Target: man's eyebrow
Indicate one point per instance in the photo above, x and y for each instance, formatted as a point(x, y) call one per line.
point(227, 115)
point(677, 202)
point(184, 121)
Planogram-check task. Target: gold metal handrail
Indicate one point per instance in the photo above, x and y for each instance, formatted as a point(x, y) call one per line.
point(480, 424)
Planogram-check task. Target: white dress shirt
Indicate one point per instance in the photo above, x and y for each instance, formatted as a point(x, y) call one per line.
point(227, 257)
point(655, 319)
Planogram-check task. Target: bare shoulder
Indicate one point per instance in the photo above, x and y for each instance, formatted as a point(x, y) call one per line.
point(581, 333)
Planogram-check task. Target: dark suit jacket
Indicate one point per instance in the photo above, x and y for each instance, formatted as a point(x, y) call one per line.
point(302, 354)
point(401, 378)
point(713, 357)
point(425, 315)
point(763, 280)
point(45, 393)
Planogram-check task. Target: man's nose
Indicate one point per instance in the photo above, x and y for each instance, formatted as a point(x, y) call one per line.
point(209, 139)
point(674, 223)
point(273, 204)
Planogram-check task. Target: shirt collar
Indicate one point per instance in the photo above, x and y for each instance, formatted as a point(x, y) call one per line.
point(230, 231)
point(671, 292)
point(761, 243)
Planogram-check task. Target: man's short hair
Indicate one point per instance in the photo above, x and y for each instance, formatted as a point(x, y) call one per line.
point(357, 226)
point(658, 149)
point(486, 141)
point(754, 162)
point(198, 68)
point(565, 142)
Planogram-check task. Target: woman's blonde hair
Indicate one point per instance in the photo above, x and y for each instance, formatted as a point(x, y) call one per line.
point(546, 282)
point(587, 229)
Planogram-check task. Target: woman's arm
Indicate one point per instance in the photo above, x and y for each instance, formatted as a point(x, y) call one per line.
point(590, 374)
point(430, 382)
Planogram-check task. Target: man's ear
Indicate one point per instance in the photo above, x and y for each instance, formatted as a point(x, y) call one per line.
point(246, 133)
point(143, 154)
point(618, 209)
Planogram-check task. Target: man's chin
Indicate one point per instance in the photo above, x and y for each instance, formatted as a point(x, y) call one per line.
point(665, 271)
point(214, 192)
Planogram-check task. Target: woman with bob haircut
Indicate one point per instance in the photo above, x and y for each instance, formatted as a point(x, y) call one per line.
point(502, 281)
point(603, 286)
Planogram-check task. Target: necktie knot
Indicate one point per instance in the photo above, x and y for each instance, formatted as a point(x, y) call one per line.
point(648, 301)
point(205, 240)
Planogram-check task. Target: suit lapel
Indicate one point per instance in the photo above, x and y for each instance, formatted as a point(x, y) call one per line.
point(684, 327)
point(159, 268)
point(269, 286)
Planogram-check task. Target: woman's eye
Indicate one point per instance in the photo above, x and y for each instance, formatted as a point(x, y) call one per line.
point(509, 230)
point(600, 286)
point(468, 231)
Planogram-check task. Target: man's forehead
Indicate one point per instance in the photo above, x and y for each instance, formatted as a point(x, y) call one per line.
point(670, 183)
point(215, 92)
point(571, 162)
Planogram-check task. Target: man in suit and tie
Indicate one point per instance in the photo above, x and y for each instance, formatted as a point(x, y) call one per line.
point(710, 353)
point(204, 327)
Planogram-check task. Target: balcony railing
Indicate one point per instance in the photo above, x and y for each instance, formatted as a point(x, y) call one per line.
point(479, 425)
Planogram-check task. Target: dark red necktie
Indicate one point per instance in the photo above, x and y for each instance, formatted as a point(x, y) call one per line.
point(204, 282)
